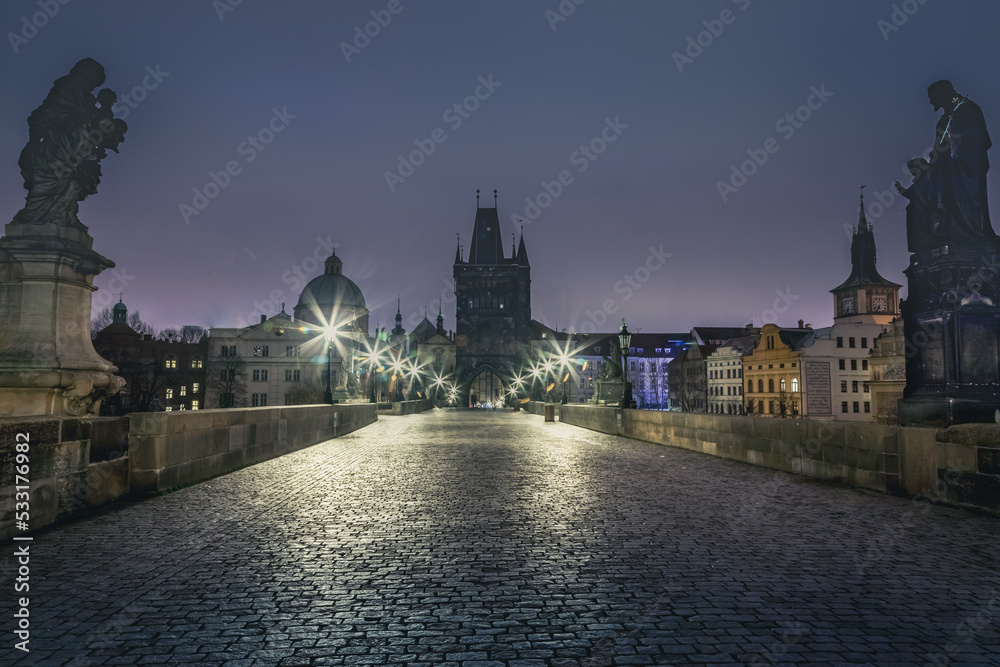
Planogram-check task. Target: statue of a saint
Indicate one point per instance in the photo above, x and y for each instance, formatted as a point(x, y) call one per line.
point(948, 202)
point(68, 136)
point(611, 367)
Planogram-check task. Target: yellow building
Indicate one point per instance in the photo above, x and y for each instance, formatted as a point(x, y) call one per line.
point(772, 375)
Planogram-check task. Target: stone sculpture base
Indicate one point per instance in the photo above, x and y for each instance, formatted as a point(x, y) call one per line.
point(48, 365)
point(608, 392)
point(951, 322)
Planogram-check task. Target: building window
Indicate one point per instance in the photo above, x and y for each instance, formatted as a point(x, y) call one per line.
point(782, 384)
point(864, 364)
point(868, 406)
point(770, 407)
point(840, 343)
point(795, 384)
point(850, 342)
point(843, 386)
point(291, 351)
point(170, 394)
point(864, 387)
point(843, 364)
point(169, 409)
point(171, 363)
point(854, 387)
point(843, 406)
point(854, 364)
point(195, 388)
point(195, 405)
point(258, 400)
point(183, 406)
point(856, 406)
point(196, 363)
point(760, 386)
point(184, 390)
point(749, 386)
point(864, 342)
point(770, 385)
point(228, 350)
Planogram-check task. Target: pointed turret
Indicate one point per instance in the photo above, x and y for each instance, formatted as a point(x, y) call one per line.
point(458, 249)
point(863, 271)
point(865, 293)
point(486, 246)
point(398, 330)
point(119, 313)
point(522, 254)
point(440, 321)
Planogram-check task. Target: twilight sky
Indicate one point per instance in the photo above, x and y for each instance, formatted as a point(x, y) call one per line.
point(548, 86)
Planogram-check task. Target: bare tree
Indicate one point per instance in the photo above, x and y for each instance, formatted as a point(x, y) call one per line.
point(227, 380)
point(106, 317)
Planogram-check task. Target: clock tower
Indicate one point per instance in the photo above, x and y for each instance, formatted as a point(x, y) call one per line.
point(865, 297)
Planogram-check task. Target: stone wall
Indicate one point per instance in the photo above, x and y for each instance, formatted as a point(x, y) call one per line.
point(411, 407)
point(170, 449)
point(76, 464)
point(73, 465)
point(960, 465)
point(538, 407)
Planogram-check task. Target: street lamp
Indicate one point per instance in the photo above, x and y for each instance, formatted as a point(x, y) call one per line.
point(329, 333)
point(624, 338)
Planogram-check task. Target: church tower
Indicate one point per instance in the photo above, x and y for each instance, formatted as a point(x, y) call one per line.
point(492, 308)
point(865, 297)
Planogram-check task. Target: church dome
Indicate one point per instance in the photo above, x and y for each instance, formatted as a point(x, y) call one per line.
point(328, 293)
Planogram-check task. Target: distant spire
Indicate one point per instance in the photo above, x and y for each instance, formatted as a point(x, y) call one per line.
point(398, 330)
point(494, 198)
point(440, 321)
point(513, 246)
point(458, 248)
point(477, 198)
point(863, 225)
point(522, 253)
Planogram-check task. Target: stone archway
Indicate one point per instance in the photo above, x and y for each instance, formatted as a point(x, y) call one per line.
point(486, 385)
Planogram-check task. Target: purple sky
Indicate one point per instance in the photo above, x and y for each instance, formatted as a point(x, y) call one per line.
point(323, 175)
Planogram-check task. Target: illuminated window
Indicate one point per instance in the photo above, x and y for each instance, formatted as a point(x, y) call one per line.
point(196, 363)
point(795, 384)
point(194, 388)
point(194, 405)
point(169, 409)
point(782, 384)
point(171, 363)
point(184, 390)
point(170, 393)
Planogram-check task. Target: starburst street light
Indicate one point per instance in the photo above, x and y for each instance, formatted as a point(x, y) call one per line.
point(330, 334)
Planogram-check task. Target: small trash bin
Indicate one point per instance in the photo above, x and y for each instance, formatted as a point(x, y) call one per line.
point(550, 412)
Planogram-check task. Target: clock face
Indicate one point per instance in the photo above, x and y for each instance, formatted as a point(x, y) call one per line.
point(879, 304)
point(848, 305)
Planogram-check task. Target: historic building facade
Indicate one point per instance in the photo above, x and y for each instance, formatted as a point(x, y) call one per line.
point(492, 312)
point(283, 361)
point(160, 375)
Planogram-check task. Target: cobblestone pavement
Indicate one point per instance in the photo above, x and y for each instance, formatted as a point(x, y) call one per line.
point(468, 538)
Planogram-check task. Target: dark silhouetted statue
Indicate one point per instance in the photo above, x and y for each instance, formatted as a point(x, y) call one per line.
point(948, 204)
point(951, 316)
point(68, 136)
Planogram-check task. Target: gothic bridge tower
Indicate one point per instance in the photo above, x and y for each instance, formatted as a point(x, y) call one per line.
point(492, 311)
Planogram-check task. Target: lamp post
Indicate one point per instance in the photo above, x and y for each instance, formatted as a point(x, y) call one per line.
point(328, 333)
point(624, 338)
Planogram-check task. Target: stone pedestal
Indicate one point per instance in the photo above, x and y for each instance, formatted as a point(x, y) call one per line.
point(951, 322)
point(48, 365)
point(608, 392)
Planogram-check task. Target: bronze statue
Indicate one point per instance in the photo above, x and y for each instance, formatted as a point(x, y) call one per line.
point(68, 136)
point(948, 202)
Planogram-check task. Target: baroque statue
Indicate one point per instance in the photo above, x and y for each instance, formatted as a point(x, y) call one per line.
point(947, 199)
point(68, 136)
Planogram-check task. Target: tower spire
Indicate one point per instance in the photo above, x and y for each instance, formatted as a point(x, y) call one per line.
point(494, 198)
point(477, 198)
point(458, 248)
point(440, 321)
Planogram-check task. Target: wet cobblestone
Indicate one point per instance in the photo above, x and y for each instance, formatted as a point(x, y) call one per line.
point(481, 539)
